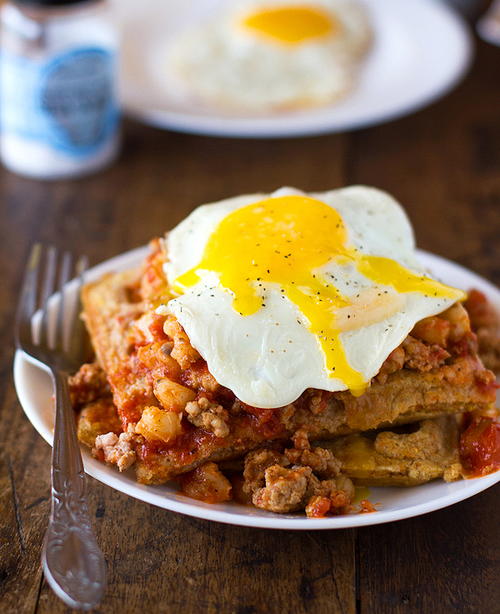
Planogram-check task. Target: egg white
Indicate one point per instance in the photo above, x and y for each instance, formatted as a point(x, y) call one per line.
point(269, 358)
point(223, 64)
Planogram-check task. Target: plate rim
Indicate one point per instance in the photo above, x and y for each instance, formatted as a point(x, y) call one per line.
point(292, 126)
point(152, 495)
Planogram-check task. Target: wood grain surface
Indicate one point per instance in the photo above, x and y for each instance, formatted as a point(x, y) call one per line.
point(443, 163)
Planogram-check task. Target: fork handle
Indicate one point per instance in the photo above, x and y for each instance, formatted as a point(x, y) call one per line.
point(72, 561)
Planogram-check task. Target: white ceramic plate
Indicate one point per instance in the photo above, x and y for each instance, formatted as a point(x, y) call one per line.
point(35, 394)
point(421, 50)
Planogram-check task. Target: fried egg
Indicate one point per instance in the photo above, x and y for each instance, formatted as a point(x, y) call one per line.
point(260, 55)
point(287, 291)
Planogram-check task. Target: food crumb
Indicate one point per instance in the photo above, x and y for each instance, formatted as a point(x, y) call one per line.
point(367, 507)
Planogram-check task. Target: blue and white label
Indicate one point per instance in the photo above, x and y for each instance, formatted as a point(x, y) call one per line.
point(67, 102)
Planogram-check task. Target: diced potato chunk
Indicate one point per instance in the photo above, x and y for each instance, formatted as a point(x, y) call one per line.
point(156, 423)
point(432, 330)
point(171, 395)
point(459, 320)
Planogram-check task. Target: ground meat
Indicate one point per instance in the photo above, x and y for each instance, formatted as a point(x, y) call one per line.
point(286, 490)
point(183, 352)
point(289, 481)
point(301, 439)
point(116, 450)
point(431, 342)
point(256, 463)
point(237, 492)
point(321, 461)
point(288, 415)
point(481, 312)
point(342, 487)
point(209, 416)
point(332, 496)
point(87, 385)
point(317, 402)
point(489, 348)
point(423, 357)
point(485, 322)
point(297, 488)
point(394, 362)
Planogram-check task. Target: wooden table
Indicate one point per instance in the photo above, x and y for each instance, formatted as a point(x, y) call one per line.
point(444, 164)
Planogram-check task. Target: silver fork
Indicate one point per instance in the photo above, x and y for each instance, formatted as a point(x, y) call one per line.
point(72, 561)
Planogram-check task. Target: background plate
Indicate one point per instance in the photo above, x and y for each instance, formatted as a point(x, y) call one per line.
point(35, 394)
point(421, 50)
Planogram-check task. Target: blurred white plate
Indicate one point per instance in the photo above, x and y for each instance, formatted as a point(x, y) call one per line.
point(488, 26)
point(35, 394)
point(422, 49)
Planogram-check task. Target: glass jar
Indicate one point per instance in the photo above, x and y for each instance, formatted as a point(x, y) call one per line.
point(58, 70)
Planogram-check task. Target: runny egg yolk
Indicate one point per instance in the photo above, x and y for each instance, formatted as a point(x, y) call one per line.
point(291, 24)
point(285, 241)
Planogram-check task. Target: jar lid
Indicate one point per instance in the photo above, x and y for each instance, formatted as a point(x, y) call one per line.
point(48, 3)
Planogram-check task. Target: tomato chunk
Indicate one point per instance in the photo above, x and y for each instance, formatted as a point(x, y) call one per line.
point(318, 507)
point(480, 446)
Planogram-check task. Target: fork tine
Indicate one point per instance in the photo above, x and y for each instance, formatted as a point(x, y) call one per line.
point(47, 291)
point(81, 266)
point(28, 298)
point(64, 275)
point(78, 337)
